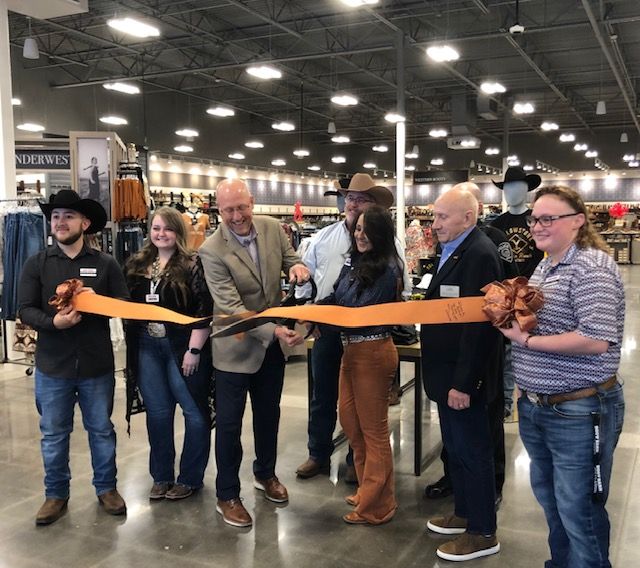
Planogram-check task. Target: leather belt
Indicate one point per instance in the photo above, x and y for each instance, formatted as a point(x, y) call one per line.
point(347, 339)
point(155, 329)
point(551, 399)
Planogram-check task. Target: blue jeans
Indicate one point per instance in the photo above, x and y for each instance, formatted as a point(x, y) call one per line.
point(326, 357)
point(465, 434)
point(559, 440)
point(55, 400)
point(265, 389)
point(162, 386)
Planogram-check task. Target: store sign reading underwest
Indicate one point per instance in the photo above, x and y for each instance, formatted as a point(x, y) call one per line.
point(449, 176)
point(37, 159)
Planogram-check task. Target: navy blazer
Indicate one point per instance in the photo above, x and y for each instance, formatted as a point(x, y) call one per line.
point(466, 357)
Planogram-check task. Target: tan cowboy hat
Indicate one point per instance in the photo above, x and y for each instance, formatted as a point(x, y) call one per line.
point(363, 183)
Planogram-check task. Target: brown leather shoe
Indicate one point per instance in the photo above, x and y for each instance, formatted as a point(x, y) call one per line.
point(158, 491)
point(113, 503)
point(311, 468)
point(179, 491)
point(233, 513)
point(51, 511)
point(273, 489)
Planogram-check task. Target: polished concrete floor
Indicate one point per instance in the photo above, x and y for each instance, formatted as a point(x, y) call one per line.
point(309, 530)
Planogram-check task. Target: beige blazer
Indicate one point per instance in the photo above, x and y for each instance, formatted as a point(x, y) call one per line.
point(237, 286)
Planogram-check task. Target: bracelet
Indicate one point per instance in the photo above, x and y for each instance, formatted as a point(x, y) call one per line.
point(526, 341)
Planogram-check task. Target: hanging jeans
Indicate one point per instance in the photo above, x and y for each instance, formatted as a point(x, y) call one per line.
point(23, 237)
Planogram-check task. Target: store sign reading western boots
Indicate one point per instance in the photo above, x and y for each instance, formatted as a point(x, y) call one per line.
point(40, 159)
point(440, 176)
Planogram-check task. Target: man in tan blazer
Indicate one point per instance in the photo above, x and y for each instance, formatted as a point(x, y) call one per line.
point(243, 262)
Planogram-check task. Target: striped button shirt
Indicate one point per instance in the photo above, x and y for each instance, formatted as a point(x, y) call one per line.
point(582, 293)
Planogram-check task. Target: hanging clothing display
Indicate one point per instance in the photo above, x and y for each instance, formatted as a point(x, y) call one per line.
point(23, 236)
point(129, 240)
point(129, 200)
point(197, 225)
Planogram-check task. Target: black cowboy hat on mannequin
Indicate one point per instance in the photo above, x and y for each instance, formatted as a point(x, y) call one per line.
point(363, 183)
point(69, 199)
point(518, 174)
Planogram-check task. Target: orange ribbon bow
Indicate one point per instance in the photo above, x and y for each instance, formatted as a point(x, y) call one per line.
point(512, 299)
point(65, 292)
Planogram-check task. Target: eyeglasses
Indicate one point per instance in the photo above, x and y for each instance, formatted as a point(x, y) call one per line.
point(546, 220)
point(231, 210)
point(359, 199)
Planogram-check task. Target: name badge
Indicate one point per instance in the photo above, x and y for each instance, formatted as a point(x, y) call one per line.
point(449, 291)
point(90, 272)
point(152, 298)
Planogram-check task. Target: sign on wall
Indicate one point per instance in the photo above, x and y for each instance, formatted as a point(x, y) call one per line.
point(448, 176)
point(41, 159)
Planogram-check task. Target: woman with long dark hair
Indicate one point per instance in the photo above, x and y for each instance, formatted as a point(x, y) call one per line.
point(169, 364)
point(371, 275)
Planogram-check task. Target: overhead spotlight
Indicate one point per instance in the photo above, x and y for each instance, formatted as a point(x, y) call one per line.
point(410, 168)
point(591, 154)
point(314, 168)
point(492, 88)
point(492, 151)
point(125, 88)
point(254, 144)
point(527, 167)
point(30, 127)
point(341, 139)
point(436, 161)
point(187, 132)
point(567, 137)
point(523, 108)
point(115, 120)
point(358, 3)
point(369, 166)
point(284, 126)
point(629, 157)
point(331, 127)
point(546, 126)
point(183, 148)
point(264, 72)
point(301, 153)
point(15, 101)
point(469, 142)
point(394, 117)
point(380, 148)
point(437, 133)
point(442, 53)
point(221, 111)
point(133, 27)
point(634, 164)
point(580, 147)
point(237, 156)
point(344, 99)
point(411, 155)
point(278, 162)
point(338, 159)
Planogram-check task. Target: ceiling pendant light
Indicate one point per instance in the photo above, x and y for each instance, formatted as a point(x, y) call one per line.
point(30, 127)
point(344, 99)
point(601, 108)
point(331, 127)
point(221, 111)
point(30, 49)
point(264, 72)
point(624, 137)
point(187, 132)
point(122, 88)
point(340, 139)
point(133, 27)
point(114, 120)
point(283, 126)
point(442, 53)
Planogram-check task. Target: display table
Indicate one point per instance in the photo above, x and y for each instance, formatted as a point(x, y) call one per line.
point(407, 353)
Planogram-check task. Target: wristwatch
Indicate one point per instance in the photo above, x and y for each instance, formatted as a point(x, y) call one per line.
point(195, 350)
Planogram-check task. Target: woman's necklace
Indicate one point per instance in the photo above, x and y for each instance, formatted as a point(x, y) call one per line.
point(156, 270)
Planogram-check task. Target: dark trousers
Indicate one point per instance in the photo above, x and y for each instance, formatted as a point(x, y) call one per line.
point(496, 429)
point(325, 367)
point(466, 436)
point(265, 389)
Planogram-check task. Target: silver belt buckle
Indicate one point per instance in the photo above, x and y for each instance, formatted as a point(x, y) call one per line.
point(155, 329)
point(533, 398)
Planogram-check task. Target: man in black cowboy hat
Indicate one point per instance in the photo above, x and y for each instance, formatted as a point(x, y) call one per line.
point(74, 356)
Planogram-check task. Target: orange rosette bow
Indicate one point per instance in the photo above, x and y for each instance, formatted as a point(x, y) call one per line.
point(512, 299)
point(65, 291)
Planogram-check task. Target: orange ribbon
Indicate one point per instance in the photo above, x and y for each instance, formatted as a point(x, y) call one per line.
point(510, 300)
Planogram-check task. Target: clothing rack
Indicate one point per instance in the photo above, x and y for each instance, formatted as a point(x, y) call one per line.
point(19, 200)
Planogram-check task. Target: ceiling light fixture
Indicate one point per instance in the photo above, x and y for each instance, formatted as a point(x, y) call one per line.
point(567, 137)
point(221, 111)
point(115, 120)
point(601, 108)
point(344, 99)
point(492, 88)
point(237, 156)
point(591, 154)
point(436, 162)
point(369, 166)
point(380, 148)
point(278, 162)
point(633, 164)
point(15, 101)
point(341, 139)
point(492, 151)
point(580, 147)
point(301, 153)
point(283, 126)
point(410, 168)
point(187, 132)
point(331, 127)
point(523, 108)
point(264, 72)
point(547, 126)
point(527, 167)
point(394, 117)
point(314, 168)
point(133, 27)
point(469, 142)
point(255, 144)
point(442, 53)
point(437, 133)
point(338, 159)
point(624, 137)
point(359, 3)
point(629, 157)
point(125, 88)
point(183, 148)
point(30, 49)
point(30, 127)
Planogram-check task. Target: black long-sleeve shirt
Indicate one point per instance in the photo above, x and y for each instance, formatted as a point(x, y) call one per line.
point(81, 351)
